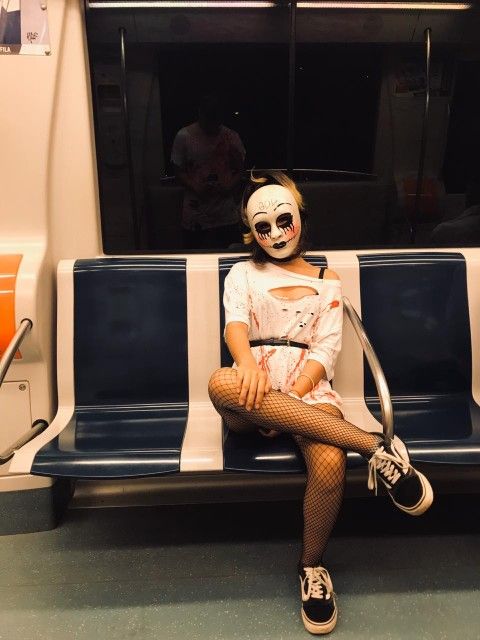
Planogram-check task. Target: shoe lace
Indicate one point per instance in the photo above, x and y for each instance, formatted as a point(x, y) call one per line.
point(388, 466)
point(319, 584)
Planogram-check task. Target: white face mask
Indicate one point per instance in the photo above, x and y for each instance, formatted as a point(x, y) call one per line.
point(274, 219)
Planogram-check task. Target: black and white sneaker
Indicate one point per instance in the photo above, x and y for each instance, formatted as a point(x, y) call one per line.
point(319, 610)
point(409, 489)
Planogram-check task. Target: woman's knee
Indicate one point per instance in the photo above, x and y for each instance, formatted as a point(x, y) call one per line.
point(334, 457)
point(220, 381)
point(337, 458)
point(327, 464)
point(329, 408)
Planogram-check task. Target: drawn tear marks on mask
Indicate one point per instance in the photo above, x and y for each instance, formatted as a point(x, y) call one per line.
point(284, 222)
point(292, 293)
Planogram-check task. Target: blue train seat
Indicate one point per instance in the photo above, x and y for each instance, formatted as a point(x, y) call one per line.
point(415, 311)
point(254, 452)
point(130, 364)
point(129, 321)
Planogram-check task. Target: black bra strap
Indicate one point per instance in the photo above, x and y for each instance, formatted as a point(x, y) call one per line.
point(322, 271)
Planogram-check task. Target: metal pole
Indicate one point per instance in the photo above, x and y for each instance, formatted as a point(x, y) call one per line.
point(11, 350)
point(423, 144)
point(376, 369)
point(126, 124)
point(37, 427)
point(291, 87)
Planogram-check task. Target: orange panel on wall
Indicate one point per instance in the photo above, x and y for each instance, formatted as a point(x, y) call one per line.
point(9, 265)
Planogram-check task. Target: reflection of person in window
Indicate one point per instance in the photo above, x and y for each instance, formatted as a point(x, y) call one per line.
point(464, 230)
point(208, 159)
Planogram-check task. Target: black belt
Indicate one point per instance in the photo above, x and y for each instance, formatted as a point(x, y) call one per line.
point(281, 342)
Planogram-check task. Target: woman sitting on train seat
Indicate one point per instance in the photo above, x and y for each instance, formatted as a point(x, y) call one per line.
point(283, 330)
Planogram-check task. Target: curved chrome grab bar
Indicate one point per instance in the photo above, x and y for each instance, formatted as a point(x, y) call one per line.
point(376, 369)
point(11, 350)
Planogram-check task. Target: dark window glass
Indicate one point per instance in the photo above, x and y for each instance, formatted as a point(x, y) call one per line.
point(251, 84)
point(462, 158)
point(172, 179)
point(336, 100)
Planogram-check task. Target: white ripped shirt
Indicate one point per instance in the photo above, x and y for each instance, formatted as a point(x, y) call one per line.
point(315, 320)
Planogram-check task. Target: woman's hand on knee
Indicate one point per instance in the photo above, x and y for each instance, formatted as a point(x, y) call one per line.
point(252, 385)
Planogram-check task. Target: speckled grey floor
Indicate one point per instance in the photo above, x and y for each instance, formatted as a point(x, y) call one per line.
point(228, 572)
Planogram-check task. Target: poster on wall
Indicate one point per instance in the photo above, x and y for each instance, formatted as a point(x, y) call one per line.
point(24, 27)
point(410, 78)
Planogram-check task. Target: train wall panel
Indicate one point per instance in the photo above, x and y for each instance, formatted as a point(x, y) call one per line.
point(49, 206)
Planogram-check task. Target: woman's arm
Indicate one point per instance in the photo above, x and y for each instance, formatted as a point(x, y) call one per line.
point(252, 382)
point(303, 384)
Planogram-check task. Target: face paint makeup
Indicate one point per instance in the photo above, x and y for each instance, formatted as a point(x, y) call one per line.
point(274, 219)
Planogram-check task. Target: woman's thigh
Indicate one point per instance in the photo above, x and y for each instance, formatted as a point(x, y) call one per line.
point(239, 425)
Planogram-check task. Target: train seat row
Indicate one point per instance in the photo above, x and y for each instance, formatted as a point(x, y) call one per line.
point(127, 407)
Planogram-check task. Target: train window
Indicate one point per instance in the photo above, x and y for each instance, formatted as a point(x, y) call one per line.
point(336, 98)
point(250, 99)
point(188, 100)
point(462, 153)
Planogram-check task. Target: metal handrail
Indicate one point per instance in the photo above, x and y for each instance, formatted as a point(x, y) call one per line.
point(376, 369)
point(128, 141)
point(37, 427)
point(11, 350)
point(291, 86)
point(5, 361)
point(314, 172)
point(423, 143)
point(335, 172)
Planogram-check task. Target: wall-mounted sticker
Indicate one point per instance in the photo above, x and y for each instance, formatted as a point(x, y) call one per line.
point(410, 78)
point(24, 27)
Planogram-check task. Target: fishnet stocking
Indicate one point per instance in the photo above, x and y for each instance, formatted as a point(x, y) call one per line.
point(323, 493)
point(281, 412)
point(321, 435)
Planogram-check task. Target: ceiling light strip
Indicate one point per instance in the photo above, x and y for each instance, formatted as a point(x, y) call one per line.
point(267, 4)
point(417, 6)
point(166, 4)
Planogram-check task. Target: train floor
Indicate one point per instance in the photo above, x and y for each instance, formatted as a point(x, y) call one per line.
point(229, 572)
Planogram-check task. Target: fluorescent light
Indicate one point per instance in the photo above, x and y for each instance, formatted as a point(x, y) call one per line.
point(267, 4)
point(414, 6)
point(166, 4)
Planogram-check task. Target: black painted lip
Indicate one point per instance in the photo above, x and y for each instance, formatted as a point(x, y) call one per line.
point(279, 245)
